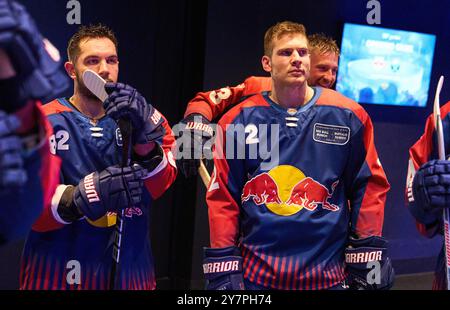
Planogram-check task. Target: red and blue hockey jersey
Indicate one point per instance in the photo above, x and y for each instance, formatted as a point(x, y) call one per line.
point(22, 206)
point(78, 255)
point(424, 150)
point(212, 104)
point(291, 185)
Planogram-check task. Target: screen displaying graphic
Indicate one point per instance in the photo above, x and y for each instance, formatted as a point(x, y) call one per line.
point(385, 66)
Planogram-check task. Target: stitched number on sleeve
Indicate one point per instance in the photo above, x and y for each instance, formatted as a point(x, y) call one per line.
point(222, 94)
point(59, 141)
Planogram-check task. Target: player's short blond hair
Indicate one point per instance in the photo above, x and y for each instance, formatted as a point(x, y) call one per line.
point(322, 44)
point(278, 30)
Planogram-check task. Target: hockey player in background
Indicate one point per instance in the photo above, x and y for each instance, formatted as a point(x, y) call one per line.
point(78, 226)
point(30, 70)
point(297, 197)
point(428, 190)
point(208, 106)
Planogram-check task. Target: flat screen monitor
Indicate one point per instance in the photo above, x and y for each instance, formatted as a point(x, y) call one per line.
point(385, 66)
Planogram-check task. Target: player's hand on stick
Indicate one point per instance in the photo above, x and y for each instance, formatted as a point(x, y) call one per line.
point(125, 101)
point(193, 133)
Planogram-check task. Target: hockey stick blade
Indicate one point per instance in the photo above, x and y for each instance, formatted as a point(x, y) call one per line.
point(437, 119)
point(441, 151)
point(95, 83)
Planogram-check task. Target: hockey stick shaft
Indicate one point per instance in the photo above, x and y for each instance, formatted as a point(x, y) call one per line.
point(96, 84)
point(441, 152)
point(125, 130)
point(204, 174)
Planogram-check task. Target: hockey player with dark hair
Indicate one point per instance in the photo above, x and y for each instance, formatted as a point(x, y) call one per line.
point(94, 187)
point(427, 187)
point(208, 106)
point(297, 197)
point(30, 71)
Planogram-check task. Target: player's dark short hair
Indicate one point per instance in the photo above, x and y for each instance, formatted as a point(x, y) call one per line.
point(323, 44)
point(86, 33)
point(278, 30)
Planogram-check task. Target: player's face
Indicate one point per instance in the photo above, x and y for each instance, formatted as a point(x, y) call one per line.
point(289, 63)
point(323, 69)
point(99, 55)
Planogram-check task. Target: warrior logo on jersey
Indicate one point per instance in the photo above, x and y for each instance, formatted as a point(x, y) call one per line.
point(285, 190)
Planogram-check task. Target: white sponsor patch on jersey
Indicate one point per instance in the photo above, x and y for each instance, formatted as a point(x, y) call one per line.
point(331, 134)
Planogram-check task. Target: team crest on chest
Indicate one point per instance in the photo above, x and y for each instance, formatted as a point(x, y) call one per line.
point(119, 137)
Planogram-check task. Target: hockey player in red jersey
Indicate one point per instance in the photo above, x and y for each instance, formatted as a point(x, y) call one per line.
point(208, 106)
point(427, 187)
point(76, 231)
point(30, 70)
point(317, 221)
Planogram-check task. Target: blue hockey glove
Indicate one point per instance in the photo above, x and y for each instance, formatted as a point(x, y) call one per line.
point(431, 190)
point(111, 190)
point(222, 268)
point(125, 102)
point(11, 162)
point(193, 132)
point(368, 266)
point(35, 59)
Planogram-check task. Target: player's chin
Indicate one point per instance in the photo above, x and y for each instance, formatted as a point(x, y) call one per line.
point(298, 80)
point(325, 84)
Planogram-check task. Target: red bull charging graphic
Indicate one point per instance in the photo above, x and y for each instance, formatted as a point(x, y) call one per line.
point(285, 190)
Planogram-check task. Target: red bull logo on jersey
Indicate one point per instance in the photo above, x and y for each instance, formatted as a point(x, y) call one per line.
point(285, 190)
point(262, 189)
point(310, 193)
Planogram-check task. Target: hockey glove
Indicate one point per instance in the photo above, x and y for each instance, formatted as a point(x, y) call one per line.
point(222, 268)
point(126, 102)
point(192, 134)
point(431, 191)
point(368, 266)
point(111, 190)
point(11, 162)
point(35, 59)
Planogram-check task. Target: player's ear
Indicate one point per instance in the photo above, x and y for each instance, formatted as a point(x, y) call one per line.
point(70, 69)
point(266, 63)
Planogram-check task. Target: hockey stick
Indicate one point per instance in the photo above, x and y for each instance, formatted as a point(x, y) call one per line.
point(204, 174)
point(96, 84)
point(441, 150)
